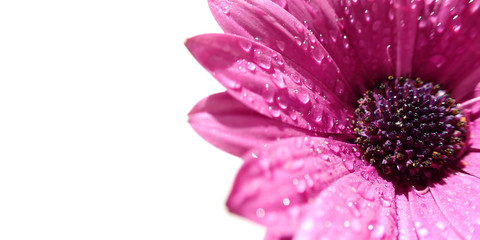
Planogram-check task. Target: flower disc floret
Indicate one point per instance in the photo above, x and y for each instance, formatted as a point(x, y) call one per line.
point(409, 129)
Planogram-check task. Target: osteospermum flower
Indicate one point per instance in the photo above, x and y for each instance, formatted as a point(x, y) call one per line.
point(357, 119)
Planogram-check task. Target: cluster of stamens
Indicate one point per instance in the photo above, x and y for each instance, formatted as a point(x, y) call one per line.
point(409, 129)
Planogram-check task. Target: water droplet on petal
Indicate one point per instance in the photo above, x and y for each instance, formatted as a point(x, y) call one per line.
point(378, 231)
point(229, 83)
point(245, 45)
point(286, 201)
point(422, 191)
point(293, 115)
point(422, 232)
point(268, 93)
point(251, 66)
point(348, 165)
point(438, 60)
point(279, 81)
point(282, 102)
point(303, 96)
point(281, 45)
point(260, 212)
point(262, 59)
point(318, 55)
point(274, 111)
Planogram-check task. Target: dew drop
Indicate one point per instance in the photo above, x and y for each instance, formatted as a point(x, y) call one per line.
point(260, 212)
point(268, 93)
point(299, 27)
point(367, 16)
point(286, 201)
point(281, 45)
point(293, 115)
point(334, 147)
point(303, 96)
point(348, 165)
point(422, 232)
point(282, 102)
point(438, 60)
point(251, 66)
point(294, 165)
point(353, 208)
point(301, 186)
point(278, 80)
point(339, 87)
point(379, 232)
point(245, 45)
point(232, 84)
point(386, 203)
point(263, 60)
point(422, 191)
point(274, 111)
point(318, 55)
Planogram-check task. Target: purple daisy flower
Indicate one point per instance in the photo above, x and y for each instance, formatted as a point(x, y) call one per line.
point(357, 119)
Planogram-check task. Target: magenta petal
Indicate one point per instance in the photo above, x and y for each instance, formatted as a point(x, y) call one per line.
point(261, 79)
point(270, 235)
point(377, 34)
point(448, 45)
point(458, 197)
point(358, 206)
point(276, 181)
point(269, 24)
point(406, 227)
point(235, 128)
point(370, 28)
point(320, 19)
point(471, 163)
point(429, 221)
point(474, 140)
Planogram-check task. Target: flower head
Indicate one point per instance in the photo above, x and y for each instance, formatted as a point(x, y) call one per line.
point(356, 119)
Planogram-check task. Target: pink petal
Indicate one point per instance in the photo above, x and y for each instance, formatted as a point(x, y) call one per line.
point(406, 228)
point(276, 181)
point(474, 140)
point(271, 25)
point(235, 128)
point(378, 35)
point(275, 236)
point(357, 206)
point(319, 17)
point(448, 45)
point(470, 163)
point(429, 221)
point(458, 197)
point(275, 87)
point(471, 104)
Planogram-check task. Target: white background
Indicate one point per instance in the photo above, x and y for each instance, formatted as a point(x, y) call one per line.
point(94, 139)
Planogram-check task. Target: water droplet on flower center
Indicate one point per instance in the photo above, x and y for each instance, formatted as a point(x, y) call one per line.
point(409, 129)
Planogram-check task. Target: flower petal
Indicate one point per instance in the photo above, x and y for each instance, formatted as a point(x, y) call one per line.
point(448, 45)
point(474, 139)
point(271, 25)
point(458, 197)
point(235, 128)
point(276, 182)
point(471, 104)
point(378, 34)
point(406, 228)
point(261, 79)
point(357, 206)
point(470, 163)
point(270, 235)
point(428, 219)
point(320, 19)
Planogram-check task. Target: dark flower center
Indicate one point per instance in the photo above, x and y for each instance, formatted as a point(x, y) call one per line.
point(409, 129)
